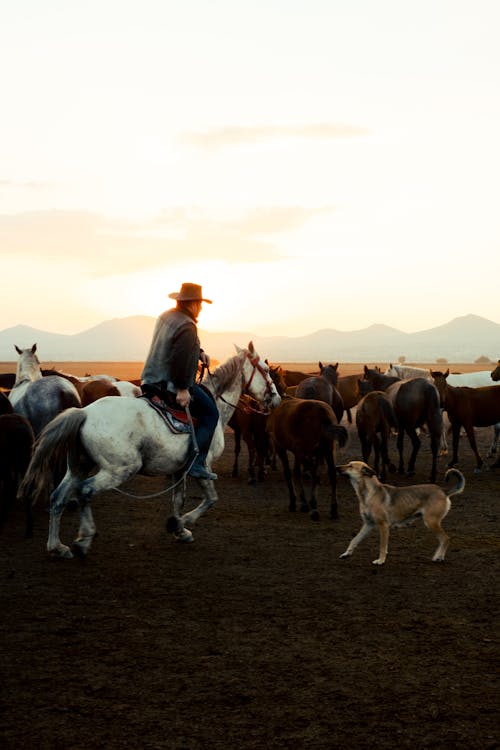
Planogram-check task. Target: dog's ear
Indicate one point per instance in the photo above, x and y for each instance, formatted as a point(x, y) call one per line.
point(368, 471)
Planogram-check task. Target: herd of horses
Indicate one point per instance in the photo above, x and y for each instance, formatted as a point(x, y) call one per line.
point(64, 439)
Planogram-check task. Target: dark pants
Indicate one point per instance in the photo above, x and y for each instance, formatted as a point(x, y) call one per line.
point(204, 409)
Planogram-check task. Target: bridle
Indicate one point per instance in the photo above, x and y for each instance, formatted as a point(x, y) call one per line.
point(256, 367)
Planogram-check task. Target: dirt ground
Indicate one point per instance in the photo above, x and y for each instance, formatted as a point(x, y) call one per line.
point(257, 635)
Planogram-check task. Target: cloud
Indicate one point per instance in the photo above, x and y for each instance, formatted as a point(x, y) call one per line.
point(100, 246)
point(235, 135)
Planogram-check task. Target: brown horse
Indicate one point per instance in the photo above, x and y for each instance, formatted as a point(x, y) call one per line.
point(375, 416)
point(468, 408)
point(348, 387)
point(16, 445)
point(416, 403)
point(249, 421)
point(294, 377)
point(323, 387)
point(309, 429)
point(92, 390)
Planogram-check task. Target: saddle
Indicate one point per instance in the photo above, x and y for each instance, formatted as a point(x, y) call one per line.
point(175, 418)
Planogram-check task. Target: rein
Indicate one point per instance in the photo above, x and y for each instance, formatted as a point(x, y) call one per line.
point(255, 362)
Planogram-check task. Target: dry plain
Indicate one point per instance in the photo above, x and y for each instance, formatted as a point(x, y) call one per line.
point(257, 635)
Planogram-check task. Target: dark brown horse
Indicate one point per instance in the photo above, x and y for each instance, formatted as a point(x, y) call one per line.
point(348, 387)
point(375, 417)
point(495, 374)
point(248, 421)
point(5, 405)
point(323, 387)
point(16, 445)
point(468, 408)
point(416, 404)
point(309, 429)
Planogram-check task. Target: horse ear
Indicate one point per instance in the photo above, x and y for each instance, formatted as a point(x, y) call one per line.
point(33, 349)
point(366, 369)
point(336, 367)
point(238, 349)
point(447, 372)
point(18, 350)
point(251, 348)
point(320, 365)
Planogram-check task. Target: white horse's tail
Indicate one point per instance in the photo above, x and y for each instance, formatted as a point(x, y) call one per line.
point(53, 443)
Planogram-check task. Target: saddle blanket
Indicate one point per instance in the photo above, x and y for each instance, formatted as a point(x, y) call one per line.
point(176, 420)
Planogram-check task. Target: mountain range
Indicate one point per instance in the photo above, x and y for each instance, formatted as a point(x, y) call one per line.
point(463, 339)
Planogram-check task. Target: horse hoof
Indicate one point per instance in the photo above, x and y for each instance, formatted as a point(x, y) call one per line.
point(173, 524)
point(78, 550)
point(252, 480)
point(314, 515)
point(62, 553)
point(184, 536)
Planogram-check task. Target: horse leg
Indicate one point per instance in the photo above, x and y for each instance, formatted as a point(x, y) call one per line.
point(387, 464)
point(469, 429)
point(313, 503)
point(237, 450)
point(252, 453)
point(415, 447)
point(86, 531)
point(494, 444)
point(349, 415)
point(299, 482)
point(400, 445)
point(209, 499)
point(435, 438)
point(282, 455)
point(332, 477)
point(366, 448)
point(455, 429)
point(376, 461)
point(63, 493)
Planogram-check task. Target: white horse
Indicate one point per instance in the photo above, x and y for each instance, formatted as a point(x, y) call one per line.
point(36, 397)
point(470, 379)
point(112, 439)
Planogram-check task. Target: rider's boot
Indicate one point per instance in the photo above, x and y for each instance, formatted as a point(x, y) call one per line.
point(199, 470)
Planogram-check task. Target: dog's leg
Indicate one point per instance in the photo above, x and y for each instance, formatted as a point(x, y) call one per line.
point(434, 524)
point(364, 531)
point(383, 529)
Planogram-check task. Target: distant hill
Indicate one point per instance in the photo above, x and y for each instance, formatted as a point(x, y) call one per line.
point(463, 339)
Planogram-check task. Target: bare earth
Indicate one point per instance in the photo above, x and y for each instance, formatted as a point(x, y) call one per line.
point(257, 635)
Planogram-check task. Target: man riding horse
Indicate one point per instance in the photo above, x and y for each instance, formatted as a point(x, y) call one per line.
point(170, 371)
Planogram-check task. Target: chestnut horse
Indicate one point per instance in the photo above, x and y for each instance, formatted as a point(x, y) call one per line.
point(468, 408)
point(375, 416)
point(249, 421)
point(309, 429)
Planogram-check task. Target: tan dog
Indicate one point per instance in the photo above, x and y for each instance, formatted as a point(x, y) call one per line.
point(384, 505)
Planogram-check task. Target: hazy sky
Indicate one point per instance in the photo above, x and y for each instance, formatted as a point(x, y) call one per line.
point(314, 163)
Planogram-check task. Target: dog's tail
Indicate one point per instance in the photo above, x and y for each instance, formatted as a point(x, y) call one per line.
point(459, 487)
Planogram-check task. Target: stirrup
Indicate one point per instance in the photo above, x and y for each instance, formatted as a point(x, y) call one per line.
point(199, 470)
